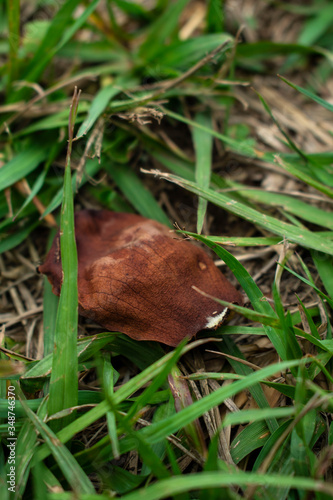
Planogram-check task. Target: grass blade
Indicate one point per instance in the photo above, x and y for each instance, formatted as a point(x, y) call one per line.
point(309, 94)
point(64, 382)
point(324, 265)
point(251, 289)
point(290, 204)
point(203, 145)
point(135, 191)
point(291, 143)
point(67, 463)
point(20, 235)
point(161, 29)
point(308, 282)
point(57, 36)
point(215, 16)
point(13, 10)
point(239, 147)
point(185, 53)
point(304, 177)
point(293, 233)
point(22, 164)
point(257, 392)
point(98, 105)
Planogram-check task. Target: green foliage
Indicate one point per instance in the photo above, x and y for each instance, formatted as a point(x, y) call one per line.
point(146, 82)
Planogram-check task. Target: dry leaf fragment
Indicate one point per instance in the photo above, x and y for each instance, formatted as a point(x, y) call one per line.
point(136, 278)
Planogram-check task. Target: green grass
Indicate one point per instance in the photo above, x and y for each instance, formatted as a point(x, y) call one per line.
point(154, 102)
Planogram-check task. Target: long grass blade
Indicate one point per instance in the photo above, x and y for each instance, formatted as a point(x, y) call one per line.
point(64, 382)
point(67, 463)
point(22, 164)
point(203, 145)
point(13, 13)
point(295, 234)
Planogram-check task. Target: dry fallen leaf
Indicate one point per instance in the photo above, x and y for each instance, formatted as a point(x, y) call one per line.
point(136, 278)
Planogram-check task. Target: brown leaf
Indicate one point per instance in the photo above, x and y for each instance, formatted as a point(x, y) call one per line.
point(136, 278)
